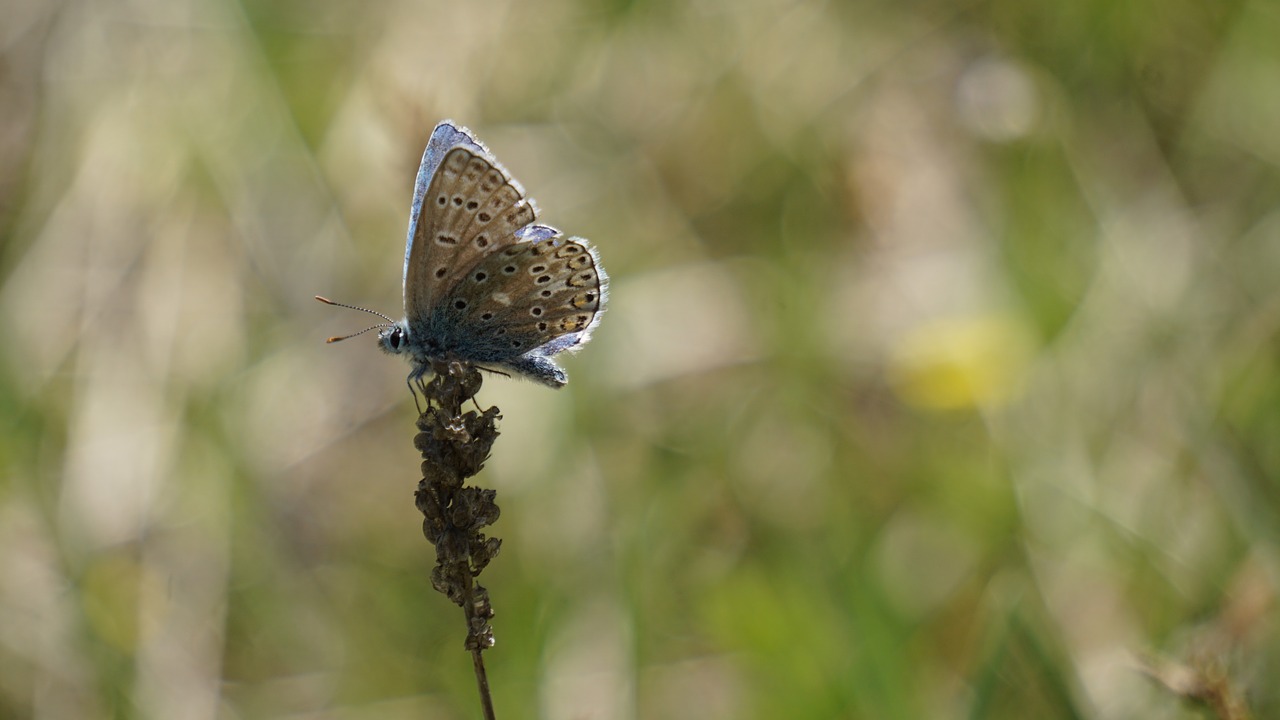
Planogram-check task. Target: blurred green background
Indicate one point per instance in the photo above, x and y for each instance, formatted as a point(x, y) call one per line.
point(940, 378)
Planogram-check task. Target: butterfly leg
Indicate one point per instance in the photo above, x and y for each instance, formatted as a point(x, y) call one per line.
point(416, 386)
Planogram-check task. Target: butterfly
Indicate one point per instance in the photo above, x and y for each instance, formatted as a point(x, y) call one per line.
point(483, 282)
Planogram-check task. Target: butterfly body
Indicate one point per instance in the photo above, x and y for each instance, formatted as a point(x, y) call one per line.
point(483, 283)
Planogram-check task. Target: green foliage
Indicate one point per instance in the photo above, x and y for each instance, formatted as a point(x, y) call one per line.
point(939, 376)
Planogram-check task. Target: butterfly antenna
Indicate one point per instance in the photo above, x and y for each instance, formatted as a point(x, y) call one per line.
point(389, 322)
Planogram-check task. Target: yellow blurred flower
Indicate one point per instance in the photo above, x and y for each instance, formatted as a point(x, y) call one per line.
point(961, 362)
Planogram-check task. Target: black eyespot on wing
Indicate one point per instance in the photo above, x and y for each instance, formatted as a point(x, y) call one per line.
point(460, 304)
point(581, 280)
point(441, 272)
point(583, 301)
point(481, 276)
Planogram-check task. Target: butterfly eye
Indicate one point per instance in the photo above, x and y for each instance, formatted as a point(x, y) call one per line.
point(396, 339)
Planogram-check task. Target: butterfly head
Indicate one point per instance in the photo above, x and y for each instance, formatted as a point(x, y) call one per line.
point(394, 338)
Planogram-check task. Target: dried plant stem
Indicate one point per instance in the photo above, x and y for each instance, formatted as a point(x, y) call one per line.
point(454, 446)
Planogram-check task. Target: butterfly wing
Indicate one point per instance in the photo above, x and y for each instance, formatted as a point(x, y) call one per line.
point(446, 136)
point(481, 281)
point(471, 208)
point(529, 301)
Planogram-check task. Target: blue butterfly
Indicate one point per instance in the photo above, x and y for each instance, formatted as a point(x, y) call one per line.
point(484, 284)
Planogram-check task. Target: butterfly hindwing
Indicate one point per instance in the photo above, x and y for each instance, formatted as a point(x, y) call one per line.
point(530, 294)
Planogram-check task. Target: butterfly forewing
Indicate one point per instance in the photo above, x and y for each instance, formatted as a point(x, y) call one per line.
point(471, 209)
